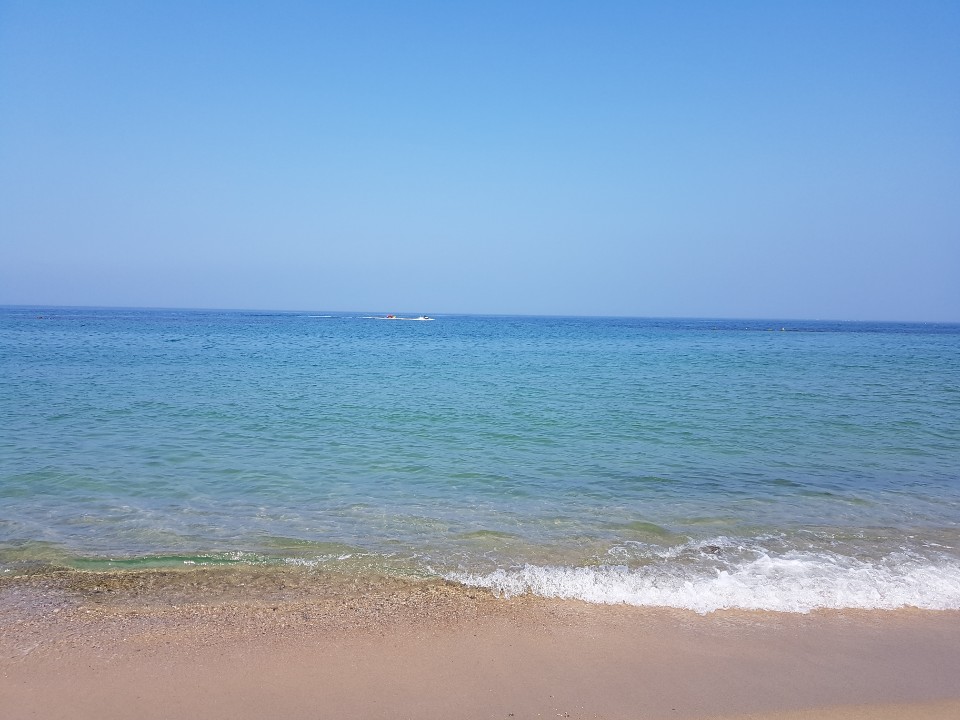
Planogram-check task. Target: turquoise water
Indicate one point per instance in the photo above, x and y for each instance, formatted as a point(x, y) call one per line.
point(691, 463)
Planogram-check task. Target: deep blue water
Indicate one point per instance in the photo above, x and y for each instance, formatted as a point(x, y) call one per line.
point(696, 463)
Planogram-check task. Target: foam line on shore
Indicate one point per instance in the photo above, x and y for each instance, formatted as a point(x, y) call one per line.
point(796, 583)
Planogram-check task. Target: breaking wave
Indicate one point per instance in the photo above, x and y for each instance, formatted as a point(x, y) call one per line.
point(794, 582)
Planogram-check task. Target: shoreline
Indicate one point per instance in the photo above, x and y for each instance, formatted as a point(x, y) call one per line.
point(222, 644)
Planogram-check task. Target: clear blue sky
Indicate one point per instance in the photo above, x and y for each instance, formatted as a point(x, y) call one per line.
point(723, 159)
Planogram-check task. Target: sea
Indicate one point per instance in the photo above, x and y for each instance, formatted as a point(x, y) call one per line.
point(702, 464)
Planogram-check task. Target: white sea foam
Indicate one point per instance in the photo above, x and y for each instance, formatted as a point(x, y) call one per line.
point(320, 560)
point(794, 582)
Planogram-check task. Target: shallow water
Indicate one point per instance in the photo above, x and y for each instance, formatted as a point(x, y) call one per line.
point(688, 463)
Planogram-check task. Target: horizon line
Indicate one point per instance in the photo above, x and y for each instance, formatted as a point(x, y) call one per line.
point(476, 314)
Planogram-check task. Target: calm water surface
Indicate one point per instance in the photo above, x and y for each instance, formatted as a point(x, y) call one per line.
point(689, 463)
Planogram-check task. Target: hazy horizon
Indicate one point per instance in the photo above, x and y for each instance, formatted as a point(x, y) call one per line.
point(441, 313)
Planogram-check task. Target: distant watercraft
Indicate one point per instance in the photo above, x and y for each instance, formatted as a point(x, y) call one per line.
point(394, 317)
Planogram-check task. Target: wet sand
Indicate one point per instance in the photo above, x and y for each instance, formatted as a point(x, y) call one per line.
point(251, 644)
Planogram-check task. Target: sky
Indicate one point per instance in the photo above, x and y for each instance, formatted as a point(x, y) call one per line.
point(667, 159)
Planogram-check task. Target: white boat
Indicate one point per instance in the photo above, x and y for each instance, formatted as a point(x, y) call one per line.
point(395, 317)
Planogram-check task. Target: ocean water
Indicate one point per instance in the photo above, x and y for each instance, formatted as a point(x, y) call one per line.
point(700, 464)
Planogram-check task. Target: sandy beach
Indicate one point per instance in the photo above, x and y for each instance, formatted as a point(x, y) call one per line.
point(223, 643)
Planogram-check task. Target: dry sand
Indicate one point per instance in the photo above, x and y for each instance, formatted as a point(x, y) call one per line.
point(226, 644)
